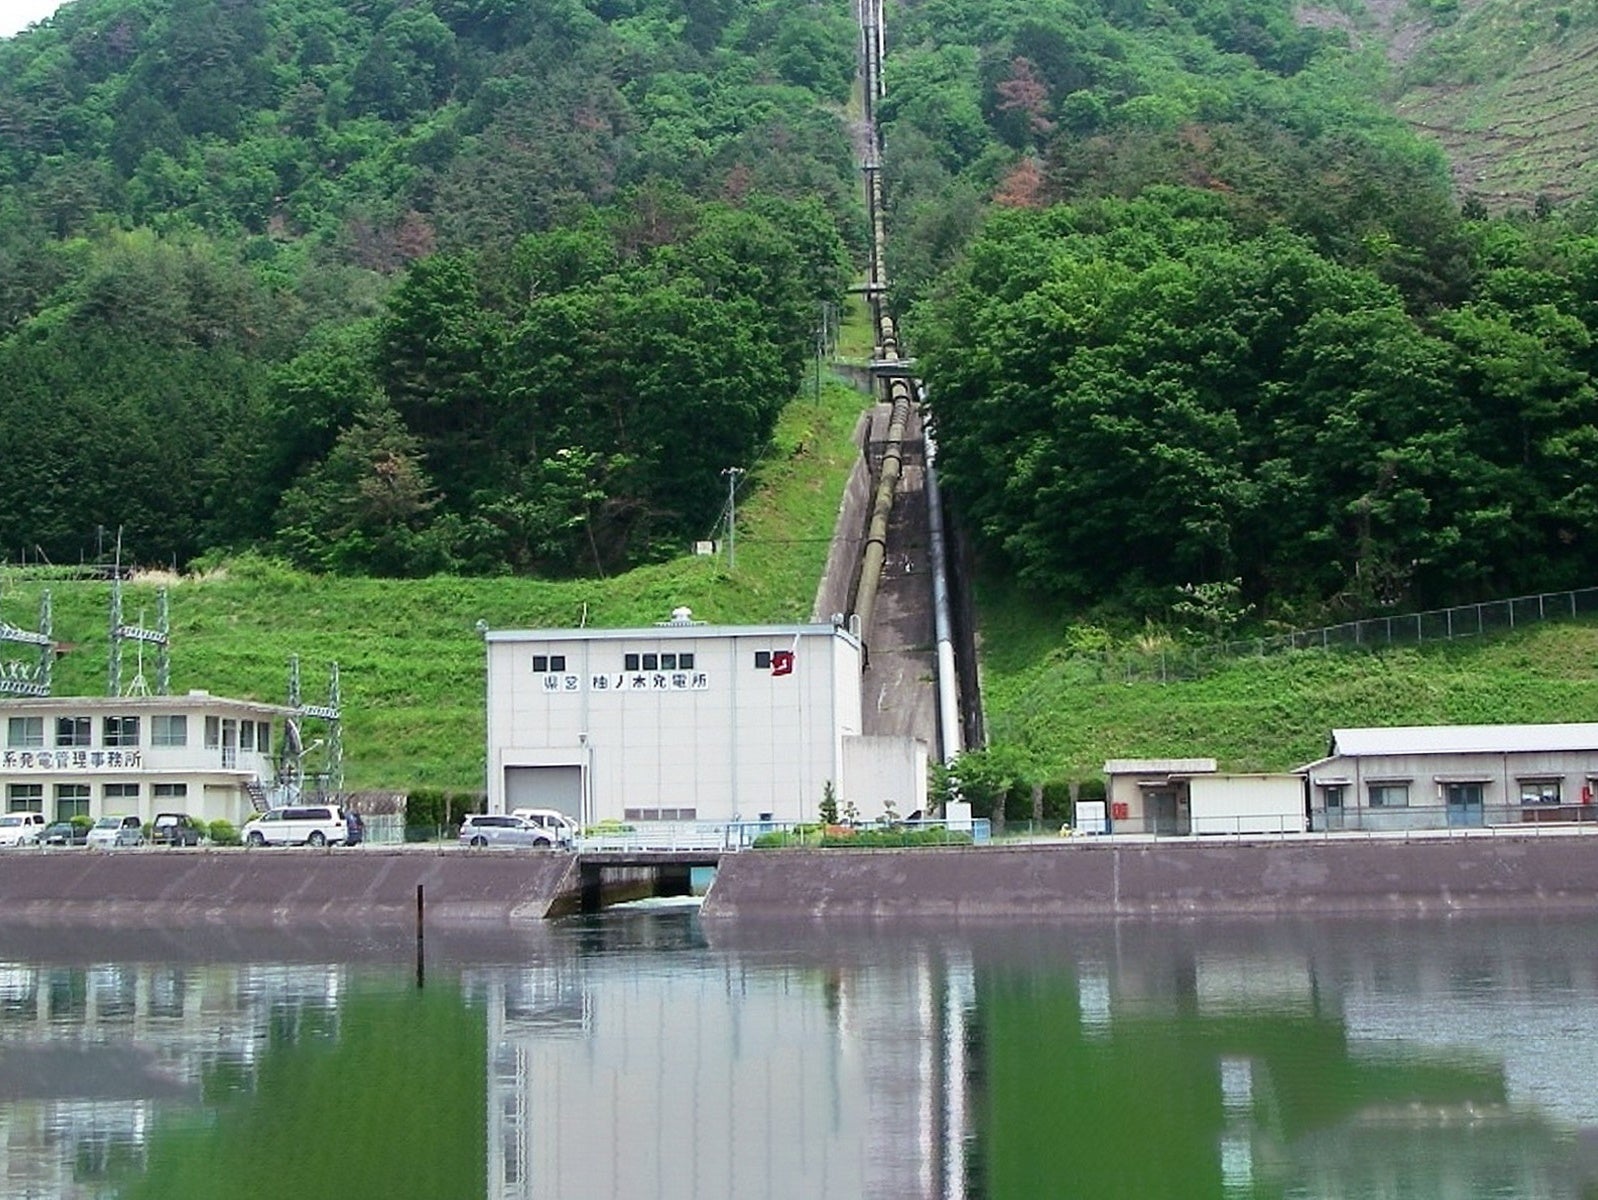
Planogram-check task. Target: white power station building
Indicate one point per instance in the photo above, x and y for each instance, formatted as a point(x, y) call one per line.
point(689, 722)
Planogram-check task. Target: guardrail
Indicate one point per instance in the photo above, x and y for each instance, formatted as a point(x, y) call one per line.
point(666, 836)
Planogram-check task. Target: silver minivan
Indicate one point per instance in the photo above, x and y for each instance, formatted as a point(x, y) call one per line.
point(296, 825)
point(506, 829)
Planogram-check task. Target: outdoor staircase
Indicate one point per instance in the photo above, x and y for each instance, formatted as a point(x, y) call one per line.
point(258, 798)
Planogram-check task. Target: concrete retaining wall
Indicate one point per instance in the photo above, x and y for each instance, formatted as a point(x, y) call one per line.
point(155, 888)
point(290, 887)
point(1178, 878)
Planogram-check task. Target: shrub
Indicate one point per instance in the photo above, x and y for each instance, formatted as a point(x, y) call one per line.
point(224, 833)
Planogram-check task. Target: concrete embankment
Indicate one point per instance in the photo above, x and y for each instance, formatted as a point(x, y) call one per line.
point(262, 888)
point(1184, 878)
point(376, 886)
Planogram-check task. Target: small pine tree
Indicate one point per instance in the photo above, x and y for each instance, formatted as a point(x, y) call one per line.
point(829, 804)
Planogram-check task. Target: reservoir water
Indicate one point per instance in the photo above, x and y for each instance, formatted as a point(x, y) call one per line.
point(643, 1054)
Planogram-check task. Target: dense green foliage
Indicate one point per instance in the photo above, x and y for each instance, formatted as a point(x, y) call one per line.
point(1131, 397)
point(406, 288)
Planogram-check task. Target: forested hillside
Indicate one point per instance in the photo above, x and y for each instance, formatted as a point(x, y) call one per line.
point(496, 286)
point(472, 285)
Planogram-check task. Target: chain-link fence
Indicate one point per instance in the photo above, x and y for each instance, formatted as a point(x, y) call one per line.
point(1174, 664)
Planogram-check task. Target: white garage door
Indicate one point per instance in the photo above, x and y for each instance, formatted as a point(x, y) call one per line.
point(560, 788)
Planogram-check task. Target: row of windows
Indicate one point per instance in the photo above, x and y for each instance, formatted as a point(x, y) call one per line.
point(1396, 795)
point(657, 662)
point(166, 729)
point(660, 814)
point(72, 799)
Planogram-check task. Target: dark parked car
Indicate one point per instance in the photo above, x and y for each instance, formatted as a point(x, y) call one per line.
point(176, 829)
point(65, 833)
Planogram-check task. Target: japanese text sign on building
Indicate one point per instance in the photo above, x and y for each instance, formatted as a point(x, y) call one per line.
point(629, 681)
point(69, 760)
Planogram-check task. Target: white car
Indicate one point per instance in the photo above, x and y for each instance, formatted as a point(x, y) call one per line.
point(563, 830)
point(296, 825)
point(21, 828)
point(110, 832)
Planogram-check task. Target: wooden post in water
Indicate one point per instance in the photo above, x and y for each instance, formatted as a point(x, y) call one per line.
point(421, 960)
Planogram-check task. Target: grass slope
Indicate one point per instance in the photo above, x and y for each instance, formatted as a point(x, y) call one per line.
point(1503, 86)
point(1259, 714)
point(410, 660)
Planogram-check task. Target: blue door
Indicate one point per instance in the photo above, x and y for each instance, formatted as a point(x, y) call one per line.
point(1464, 803)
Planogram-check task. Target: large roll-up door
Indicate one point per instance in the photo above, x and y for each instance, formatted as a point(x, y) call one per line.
point(560, 788)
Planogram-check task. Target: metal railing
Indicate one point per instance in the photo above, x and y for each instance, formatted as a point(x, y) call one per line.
point(666, 836)
point(1432, 820)
point(1175, 663)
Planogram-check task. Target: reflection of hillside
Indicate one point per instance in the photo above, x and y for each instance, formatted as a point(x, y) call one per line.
point(1184, 1062)
point(88, 1053)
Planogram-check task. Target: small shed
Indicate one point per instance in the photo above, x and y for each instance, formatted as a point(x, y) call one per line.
point(1152, 795)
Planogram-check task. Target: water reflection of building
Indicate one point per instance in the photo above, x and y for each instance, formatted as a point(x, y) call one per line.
point(88, 1053)
point(727, 1078)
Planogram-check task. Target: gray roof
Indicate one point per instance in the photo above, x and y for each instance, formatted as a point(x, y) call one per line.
point(1159, 766)
point(668, 632)
point(1464, 739)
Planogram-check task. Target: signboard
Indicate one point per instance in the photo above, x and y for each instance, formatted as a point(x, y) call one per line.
point(69, 760)
point(628, 681)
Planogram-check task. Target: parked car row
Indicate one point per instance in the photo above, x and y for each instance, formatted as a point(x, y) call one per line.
point(310, 825)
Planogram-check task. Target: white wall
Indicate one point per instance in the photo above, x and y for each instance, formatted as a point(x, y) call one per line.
point(1246, 803)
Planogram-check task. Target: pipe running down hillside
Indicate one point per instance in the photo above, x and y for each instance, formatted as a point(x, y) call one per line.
point(892, 369)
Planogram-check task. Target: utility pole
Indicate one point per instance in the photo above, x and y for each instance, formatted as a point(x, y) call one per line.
point(732, 474)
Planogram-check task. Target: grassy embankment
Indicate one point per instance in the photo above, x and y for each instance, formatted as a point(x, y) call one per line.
point(410, 660)
point(1262, 713)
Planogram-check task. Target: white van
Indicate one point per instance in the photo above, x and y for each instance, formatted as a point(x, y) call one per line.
point(561, 828)
point(21, 828)
point(298, 824)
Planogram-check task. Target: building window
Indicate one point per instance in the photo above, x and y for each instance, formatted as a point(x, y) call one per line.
point(73, 731)
point(1463, 795)
point(263, 737)
point(629, 662)
point(543, 664)
point(1539, 791)
point(169, 730)
point(25, 797)
point(668, 662)
point(122, 731)
point(117, 795)
point(171, 791)
point(762, 660)
point(247, 735)
point(1389, 795)
point(1332, 795)
point(23, 732)
point(213, 732)
point(685, 662)
point(71, 800)
point(660, 814)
